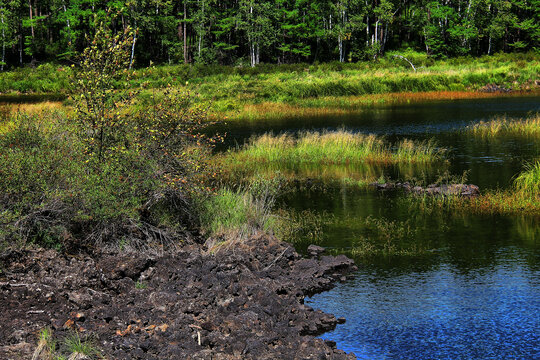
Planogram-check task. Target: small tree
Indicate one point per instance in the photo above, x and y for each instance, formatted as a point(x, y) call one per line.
point(99, 107)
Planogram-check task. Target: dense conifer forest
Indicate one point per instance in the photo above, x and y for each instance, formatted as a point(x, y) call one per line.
point(248, 32)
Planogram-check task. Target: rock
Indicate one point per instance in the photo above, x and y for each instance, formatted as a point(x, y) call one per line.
point(463, 190)
point(243, 302)
point(315, 251)
point(491, 88)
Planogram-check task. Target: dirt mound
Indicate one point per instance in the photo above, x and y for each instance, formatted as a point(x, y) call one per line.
point(244, 302)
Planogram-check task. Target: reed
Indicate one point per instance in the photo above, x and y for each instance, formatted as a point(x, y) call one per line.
point(522, 199)
point(528, 182)
point(327, 148)
point(502, 126)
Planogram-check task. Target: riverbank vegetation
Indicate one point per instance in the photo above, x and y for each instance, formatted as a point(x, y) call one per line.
point(301, 85)
point(100, 174)
point(523, 198)
point(272, 92)
point(123, 158)
point(503, 126)
point(341, 147)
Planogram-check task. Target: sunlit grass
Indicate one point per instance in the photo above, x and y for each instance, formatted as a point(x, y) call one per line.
point(528, 182)
point(327, 148)
point(529, 127)
point(523, 198)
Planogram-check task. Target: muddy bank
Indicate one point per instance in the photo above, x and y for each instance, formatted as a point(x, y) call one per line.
point(244, 302)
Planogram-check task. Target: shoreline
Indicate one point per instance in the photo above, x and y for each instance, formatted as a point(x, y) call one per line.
point(245, 301)
point(350, 105)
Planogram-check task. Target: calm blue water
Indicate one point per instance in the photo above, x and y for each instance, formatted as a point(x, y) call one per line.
point(476, 295)
point(439, 313)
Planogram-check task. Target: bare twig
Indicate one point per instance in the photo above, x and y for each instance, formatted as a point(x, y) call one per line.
point(276, 259)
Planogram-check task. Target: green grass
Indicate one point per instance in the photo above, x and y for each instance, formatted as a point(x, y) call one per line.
point(231, 89)
point(140, 285)
point(503, 126)
point(528, 182)
point(329, 148)
point(236, 214)
point(522, 199)
point(74, 344)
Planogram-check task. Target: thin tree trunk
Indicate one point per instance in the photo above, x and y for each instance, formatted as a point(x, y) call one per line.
point(133, 46)
point(67, 23)
point(201, 27)
point(377, 31)
point(340, 44)
point(3, 41)
point(20, 47)
point(251, 42)
point(185, 33)
point(385, 37)
point(258, 54)
point(31, 22)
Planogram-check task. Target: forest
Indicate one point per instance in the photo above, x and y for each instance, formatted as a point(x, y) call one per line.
point(248, 32)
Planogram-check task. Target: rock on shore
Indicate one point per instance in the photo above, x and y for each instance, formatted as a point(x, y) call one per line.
point(244, 302)
point(464, 190)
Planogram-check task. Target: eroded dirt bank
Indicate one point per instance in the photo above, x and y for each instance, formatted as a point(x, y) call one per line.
point(244, 302)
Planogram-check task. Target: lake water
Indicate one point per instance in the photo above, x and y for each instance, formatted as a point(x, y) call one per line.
point(475, 294)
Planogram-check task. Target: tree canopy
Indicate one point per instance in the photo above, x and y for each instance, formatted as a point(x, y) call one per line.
point(278, 31)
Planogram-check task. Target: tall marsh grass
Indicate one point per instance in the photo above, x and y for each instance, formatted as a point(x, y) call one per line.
point(529, 127)
point(327, 148)
point(522, 199)
point(528, 182)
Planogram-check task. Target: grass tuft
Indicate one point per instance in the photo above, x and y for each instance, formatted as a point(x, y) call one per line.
point(329, 148)
point(77, 346)
point(529, 127)
point(528, 182)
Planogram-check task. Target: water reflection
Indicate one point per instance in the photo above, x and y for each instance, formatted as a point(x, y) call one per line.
point(414, 120)
point(473, 292)
point(439, 313)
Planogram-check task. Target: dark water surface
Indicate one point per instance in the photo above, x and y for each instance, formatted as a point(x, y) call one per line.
point(476, 294)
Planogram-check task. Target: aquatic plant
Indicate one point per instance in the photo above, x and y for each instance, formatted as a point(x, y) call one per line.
point(523, 198)
point(328, 148)
point(383, 237)
point(502, 126)
point(528, 182)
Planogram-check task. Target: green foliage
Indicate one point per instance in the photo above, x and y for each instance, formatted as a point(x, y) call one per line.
point(100, 108)
point(281, 31)
point(110, 176)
